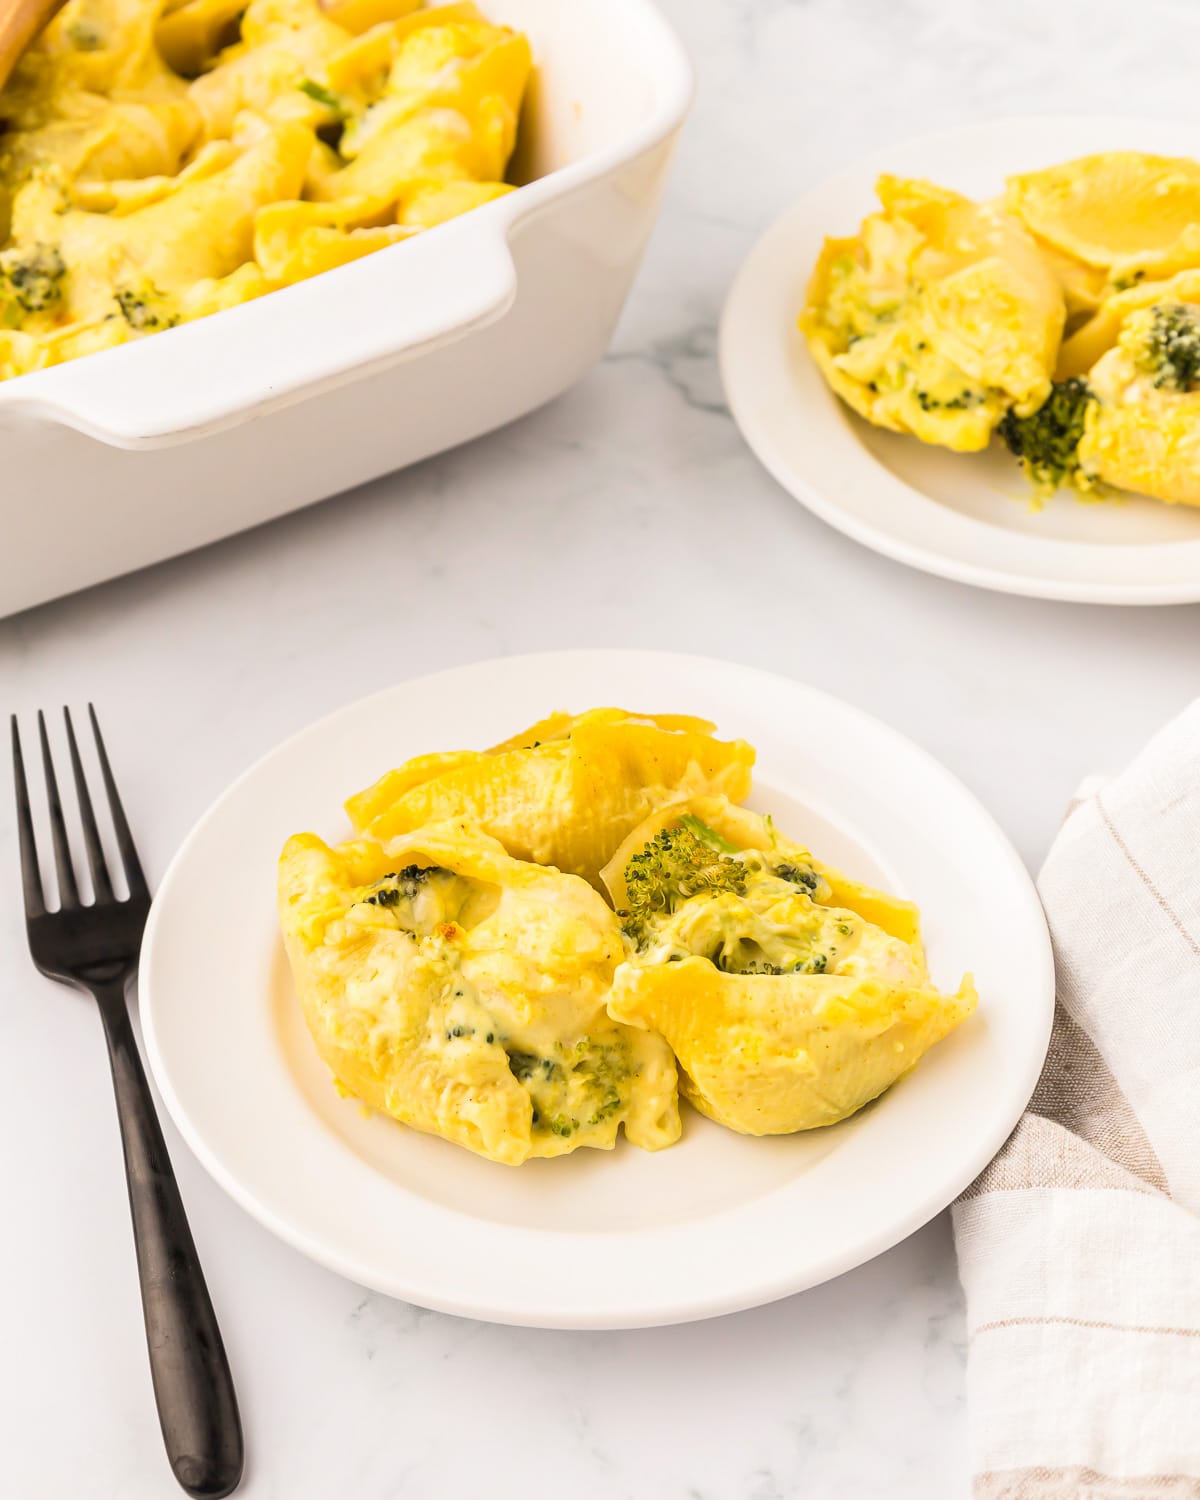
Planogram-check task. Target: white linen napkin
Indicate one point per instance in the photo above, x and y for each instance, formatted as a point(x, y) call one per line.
point(1079, 1246)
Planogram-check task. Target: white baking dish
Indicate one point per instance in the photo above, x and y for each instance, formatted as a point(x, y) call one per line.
point(129, 456)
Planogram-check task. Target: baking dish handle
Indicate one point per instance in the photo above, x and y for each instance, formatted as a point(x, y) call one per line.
point(236, 365)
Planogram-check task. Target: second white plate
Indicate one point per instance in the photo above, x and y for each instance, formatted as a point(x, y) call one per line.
point(962, 516)
point(596, 1239)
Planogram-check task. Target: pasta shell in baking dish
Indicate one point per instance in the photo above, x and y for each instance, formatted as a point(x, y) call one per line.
point(152, 258)
point(164, 162)
point(567, 791)
point(462, 992)
point(790, 995)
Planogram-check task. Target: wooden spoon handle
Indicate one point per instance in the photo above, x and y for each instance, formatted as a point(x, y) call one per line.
point(20, 22)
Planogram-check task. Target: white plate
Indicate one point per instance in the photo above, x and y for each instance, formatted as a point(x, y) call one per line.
point(964, 516)
point(596, 1239)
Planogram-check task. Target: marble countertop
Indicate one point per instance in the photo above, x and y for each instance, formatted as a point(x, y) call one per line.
point(628, 484)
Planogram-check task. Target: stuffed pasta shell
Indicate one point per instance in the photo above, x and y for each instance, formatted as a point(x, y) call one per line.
point(564, 792)
point(790, 995)
point(463, 993)
point(1111, 220)
point(937, 318)
point(1132, 420)
point(1143, 427)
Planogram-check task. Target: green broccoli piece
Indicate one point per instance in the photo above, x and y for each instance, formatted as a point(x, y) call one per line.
point(707, 835)
point(1168, 346)
point(402, 885)
point(144, 309)
point(803, 876)
point(817, 964)
point(34, 276)
point(966, 398)
point(319, 94)
point(136, 311)
point(1047, 441)
point(672, 867)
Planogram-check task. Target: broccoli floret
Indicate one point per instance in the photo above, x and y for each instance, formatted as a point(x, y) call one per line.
point(673, 866)
point(402, 885)
point(817, 964)
point(136, 311)
point(799, 875)
point(34, 275)
point(707, 835)
point(1166, 345)
point(144, 309)
point(1047, 441)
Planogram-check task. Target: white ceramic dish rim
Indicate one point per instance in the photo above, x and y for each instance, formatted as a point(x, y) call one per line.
point(1061, 579)
point(307, 338)
point(629, 1311)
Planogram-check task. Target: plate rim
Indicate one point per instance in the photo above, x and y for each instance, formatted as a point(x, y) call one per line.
point(600, 1316)
point(744, 409)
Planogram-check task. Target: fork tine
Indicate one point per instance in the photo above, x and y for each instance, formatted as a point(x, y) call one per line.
point(101, 882)
point(68, 891)
point(31, 878)
point(134, 878)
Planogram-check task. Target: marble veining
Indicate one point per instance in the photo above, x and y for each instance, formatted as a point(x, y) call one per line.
point(627, 513)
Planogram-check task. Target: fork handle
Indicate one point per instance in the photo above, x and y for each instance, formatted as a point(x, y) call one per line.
point(193, 1389)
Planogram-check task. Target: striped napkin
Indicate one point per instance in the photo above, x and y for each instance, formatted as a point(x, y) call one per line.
point(1079, 1246)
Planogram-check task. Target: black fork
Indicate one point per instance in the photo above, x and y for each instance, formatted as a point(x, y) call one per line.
point(95, 948)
